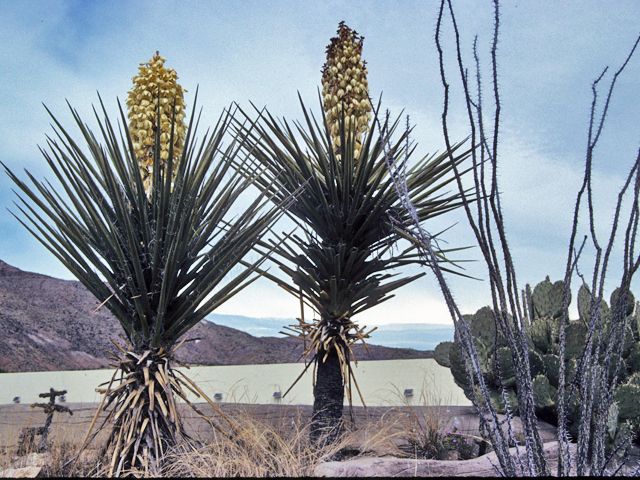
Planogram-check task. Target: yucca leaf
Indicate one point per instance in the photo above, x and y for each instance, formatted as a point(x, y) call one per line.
point(348, 209)
point(164, 257)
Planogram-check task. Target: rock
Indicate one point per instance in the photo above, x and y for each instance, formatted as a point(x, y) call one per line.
point(467, 421)
point(37, 459)
point(24, 472)
point(485, 466)
point(452, 455)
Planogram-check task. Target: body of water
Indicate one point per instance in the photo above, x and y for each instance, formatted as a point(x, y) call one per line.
point(382, 383)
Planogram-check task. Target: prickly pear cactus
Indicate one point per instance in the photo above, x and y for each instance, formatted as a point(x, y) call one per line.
point(631, 301)
point(545, 305)
point(627, 401)
point(459, 371)
point(496, 364)
point(441, 354)
point(547, 299)
point(545, 395)
point(575, 339)
point(627, 397)
point(542, 333)
point(633, 359)
point(584, 306)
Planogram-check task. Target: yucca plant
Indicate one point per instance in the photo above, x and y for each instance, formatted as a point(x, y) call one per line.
point(350, 214)
point(159, 261)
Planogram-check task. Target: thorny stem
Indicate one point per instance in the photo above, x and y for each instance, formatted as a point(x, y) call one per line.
point(488, 219)
point(594, 391)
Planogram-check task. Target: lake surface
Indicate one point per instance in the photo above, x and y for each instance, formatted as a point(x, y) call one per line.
point(382, 383)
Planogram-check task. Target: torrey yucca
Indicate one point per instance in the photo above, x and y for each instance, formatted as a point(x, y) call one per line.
point(158, 254)
point(351, 218)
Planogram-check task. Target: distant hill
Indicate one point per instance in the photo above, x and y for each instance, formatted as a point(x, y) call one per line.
point(418, 336)
point(49, 324)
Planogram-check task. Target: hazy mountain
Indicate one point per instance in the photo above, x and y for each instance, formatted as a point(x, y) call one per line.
point(418, 336)
point(52, 324)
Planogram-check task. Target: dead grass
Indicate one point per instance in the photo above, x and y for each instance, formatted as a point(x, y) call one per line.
point(62, 446)
point(427, 430)
point(270, 441)
point(275, 447)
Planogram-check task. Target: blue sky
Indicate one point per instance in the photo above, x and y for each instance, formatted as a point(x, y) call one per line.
point(266, 52)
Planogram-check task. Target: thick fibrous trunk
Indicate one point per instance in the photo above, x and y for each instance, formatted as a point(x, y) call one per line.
point(144, 413)
point(326, 423)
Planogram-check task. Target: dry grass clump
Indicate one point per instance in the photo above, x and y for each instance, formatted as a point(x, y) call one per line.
point(56, 459)
point(428, 431)
point(274, 447)
point(269, 441)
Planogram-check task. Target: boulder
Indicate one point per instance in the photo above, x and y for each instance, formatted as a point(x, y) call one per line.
point(484, 466)
point(24, 472)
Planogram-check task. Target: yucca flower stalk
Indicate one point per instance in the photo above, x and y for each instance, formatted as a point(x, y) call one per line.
point(345, 89)
point(352, 220)
point(160, 263)
point(154, 100)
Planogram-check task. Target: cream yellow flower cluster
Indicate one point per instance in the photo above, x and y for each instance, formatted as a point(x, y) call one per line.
point(154, 82)
point(345, 86)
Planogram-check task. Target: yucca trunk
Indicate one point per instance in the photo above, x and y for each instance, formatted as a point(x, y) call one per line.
point(145, 415)
point(328, 404)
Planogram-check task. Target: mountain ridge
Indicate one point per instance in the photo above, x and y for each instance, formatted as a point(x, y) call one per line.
point(51, 324)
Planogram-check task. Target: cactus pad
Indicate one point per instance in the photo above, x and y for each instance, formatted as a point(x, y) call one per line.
point(441, 354)
point(483, 326)
point(544, 394)
point(504, 361)
point(552, 368)
point(575, 339)
point(628, 398)
point(631, 301)
point(543, 333)
point(547, 299)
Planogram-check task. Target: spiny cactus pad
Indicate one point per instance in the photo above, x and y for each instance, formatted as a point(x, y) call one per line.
point(543, 333)
point(504, 363)
point(575, 338)
point(584, 306)
point(483, 326)
point(536, 364)
point(628, 398)
point(544, 360)
point(547, 299)
point(441, 354)
point(544, 394)
point(552, 367)
point(631, 301)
